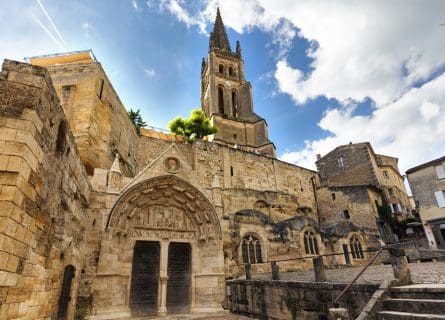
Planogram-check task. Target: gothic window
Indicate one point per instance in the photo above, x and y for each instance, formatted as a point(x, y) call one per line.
point(356, 248)
point(251, 249)
point(234, 105)
point(341, 163)
point(220, 100)
point(310, 242)
point(221, 69)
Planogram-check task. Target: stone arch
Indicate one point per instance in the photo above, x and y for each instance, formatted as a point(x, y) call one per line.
point(262, 206)
point(165, 203)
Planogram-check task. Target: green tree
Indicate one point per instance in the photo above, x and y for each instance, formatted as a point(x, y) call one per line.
point(137, 120)
point(197, 125)
point(385, 213)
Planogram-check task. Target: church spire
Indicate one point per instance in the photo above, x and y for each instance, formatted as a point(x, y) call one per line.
point(218, 38)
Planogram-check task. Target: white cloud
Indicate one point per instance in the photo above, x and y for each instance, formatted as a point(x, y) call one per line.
point(149, 72)
point(175, 8)
point(135, 5)
point(411, 128)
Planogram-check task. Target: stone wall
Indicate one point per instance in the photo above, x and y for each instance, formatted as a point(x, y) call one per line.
point(280, 300)
point(356, 167)
point(356, 204)
point(43, 198)
point(96, 115)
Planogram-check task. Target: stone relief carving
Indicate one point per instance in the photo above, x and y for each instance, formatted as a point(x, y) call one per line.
point(164, 207)
point(172, 164)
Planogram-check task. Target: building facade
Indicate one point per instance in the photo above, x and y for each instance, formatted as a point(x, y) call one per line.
point(100, 222)
point(427, 183)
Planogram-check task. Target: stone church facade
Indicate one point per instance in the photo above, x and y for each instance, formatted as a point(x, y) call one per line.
point(100, 222)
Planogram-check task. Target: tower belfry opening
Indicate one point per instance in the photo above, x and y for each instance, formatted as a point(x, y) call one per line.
point(226, 96)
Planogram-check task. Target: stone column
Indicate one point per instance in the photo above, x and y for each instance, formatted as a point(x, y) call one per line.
point(247, 266)
point(275, 270)
point(163, 277)
point(319, 270)
point(162, 308)
point(400, 266)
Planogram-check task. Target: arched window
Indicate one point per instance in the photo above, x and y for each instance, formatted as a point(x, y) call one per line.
point(356, 248)
point(234, 105)
point(310, 242)
point(251, 249)
point(230, 71)
point(220, 100)
point(221, 69)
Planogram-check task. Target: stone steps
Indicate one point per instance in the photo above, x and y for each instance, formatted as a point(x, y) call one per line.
point(415, 305)
point(422, 301)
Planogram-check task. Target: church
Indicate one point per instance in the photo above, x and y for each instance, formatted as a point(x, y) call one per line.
point(100, 221)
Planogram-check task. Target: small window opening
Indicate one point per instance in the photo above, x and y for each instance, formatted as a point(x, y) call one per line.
point(61, 138)
point(391, 191)
point(230, 71)
point(346, 214)
point(101, 89)
point(221, 68)
point(231, 171)
point(385, 174)
point(333, 196)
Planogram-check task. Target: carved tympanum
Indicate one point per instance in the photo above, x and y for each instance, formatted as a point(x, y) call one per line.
point(164, 207)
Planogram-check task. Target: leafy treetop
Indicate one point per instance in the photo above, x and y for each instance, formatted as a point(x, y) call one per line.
point(197, 125)
point(137, 120)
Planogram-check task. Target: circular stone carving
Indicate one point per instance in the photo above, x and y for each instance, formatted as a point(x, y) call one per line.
point(172, 165)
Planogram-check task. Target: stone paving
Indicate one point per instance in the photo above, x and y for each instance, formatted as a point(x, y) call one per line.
point(216, 316)
point(427, 272)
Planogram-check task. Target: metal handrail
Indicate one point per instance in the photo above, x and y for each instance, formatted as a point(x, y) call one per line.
point(386, 247)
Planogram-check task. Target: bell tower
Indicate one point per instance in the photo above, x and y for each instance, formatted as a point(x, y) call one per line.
point(226, 96)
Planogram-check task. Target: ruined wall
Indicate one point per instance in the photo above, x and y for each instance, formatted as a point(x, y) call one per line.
point(96, 115)
point(43, 198)
point(347, 203)
point(356, 168)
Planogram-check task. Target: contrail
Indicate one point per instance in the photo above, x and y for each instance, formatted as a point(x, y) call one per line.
point(49, 33)
point(51, 21)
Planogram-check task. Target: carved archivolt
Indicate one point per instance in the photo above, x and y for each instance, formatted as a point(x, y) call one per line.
point(164, 207)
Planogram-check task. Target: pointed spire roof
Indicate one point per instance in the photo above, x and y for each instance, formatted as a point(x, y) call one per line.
point(218, 38)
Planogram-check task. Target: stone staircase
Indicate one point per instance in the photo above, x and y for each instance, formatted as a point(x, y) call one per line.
point(419, 301)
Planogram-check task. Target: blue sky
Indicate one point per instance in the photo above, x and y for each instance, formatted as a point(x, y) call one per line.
point(323, 73)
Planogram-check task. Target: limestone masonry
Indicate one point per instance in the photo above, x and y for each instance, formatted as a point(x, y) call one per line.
point(99, 222)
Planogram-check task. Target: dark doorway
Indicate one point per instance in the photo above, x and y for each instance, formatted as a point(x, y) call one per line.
point(145, 278)
point(65, 293)
point(346, 253)
point(178, 287)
